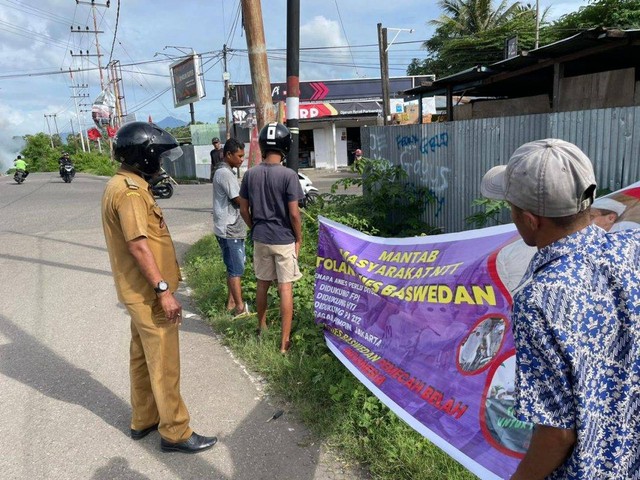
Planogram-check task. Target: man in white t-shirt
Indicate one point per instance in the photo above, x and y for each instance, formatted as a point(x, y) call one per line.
point(228, 225)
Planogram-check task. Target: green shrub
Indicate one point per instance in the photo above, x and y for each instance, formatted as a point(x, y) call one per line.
point(389, 204)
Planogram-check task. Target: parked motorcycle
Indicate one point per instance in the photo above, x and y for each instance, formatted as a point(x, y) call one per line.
point(161, 185)
point(311, 193)
point(19, 176)
point(67, 172)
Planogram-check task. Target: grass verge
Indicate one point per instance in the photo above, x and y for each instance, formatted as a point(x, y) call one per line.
point(325, 395)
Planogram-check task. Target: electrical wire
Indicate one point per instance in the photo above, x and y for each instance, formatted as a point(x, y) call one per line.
point(36, 12)
point(346, 38)
point(115, 32)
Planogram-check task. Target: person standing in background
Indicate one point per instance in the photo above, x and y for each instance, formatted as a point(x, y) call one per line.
point(217, 155)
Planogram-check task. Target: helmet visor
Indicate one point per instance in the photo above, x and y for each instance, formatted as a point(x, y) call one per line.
point(171, 155)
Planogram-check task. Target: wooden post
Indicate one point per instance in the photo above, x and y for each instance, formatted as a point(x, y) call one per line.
point(384, 72)
point(256, 45)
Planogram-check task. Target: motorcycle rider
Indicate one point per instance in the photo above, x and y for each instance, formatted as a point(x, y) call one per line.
point(21, 165)
point(64, 160)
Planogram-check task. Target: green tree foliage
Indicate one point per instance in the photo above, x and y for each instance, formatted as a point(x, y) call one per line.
point(42, 158)
point(472, 32)
point(623, 14)
point(38, 153)
point(462, 18)
point(182, 134)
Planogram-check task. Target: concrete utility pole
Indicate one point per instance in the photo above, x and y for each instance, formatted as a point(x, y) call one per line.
point(95, 30)
point(384, 72)
point(227, 100)
point(293, 80)
point(75, 97)
point(252, 14)
point(115, 78)
point(46, 118)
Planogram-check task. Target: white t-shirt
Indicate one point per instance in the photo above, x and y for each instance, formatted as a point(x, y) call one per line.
point(227, 222)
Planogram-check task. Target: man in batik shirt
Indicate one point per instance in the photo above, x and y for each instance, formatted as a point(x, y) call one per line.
point(576, 320)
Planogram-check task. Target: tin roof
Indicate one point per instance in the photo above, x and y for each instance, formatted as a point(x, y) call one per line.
point(531, 72)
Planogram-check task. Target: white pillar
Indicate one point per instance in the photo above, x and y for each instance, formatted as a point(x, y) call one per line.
point(334, 147)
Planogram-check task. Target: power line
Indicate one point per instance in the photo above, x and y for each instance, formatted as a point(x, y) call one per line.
point(346, 37)
point(36, 12)
point(115, 32)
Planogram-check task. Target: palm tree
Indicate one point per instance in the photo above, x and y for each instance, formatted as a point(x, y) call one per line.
point(471, 17)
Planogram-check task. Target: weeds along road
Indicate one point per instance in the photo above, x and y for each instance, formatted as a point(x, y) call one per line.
point(64, 347)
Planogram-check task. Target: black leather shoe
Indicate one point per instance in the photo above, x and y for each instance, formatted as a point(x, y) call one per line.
point(194, 444)
point(139, 434)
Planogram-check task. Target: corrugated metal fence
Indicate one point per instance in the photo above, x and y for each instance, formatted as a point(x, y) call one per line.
point(451, 158)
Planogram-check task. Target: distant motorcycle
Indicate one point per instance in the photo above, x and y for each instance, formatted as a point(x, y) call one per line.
point(67, 172)
point(19, 176)
point(161, 185)
point(311, 193)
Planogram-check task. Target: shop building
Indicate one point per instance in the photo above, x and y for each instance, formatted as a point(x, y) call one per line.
point(331, 115)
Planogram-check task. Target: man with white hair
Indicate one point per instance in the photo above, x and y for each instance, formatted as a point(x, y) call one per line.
point(606, 213)
point(575, 319)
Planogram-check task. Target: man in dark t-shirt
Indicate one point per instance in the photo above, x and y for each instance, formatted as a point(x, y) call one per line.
point(269, 196)
point(216, 154)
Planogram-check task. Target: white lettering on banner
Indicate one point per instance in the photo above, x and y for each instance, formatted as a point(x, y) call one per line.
point(309, 112)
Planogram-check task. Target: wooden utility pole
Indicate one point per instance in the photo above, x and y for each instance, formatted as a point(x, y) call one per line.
point(384, 72)
point(256, 45)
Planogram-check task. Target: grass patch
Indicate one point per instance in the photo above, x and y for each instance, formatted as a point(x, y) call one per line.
point(325, 395)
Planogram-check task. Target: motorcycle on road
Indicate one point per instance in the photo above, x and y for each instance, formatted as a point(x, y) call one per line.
point(161, 185)
point(19, 176)
point(67, 172)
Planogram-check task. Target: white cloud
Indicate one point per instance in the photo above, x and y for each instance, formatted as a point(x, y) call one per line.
point(323, 32)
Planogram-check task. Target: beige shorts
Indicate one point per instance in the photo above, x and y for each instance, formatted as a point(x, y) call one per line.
point(276, 262)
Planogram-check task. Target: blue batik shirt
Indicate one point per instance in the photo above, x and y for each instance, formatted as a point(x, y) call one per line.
point(577, 335)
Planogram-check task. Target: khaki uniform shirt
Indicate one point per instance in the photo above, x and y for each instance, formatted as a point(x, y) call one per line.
point(129, 211)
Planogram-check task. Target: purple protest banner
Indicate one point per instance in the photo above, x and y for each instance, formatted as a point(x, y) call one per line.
point(424, 323)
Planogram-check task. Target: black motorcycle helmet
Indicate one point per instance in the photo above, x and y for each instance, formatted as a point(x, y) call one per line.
point(144, 146)
point(274, 137)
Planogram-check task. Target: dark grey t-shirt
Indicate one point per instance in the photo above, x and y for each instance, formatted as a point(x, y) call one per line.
point(269, 188)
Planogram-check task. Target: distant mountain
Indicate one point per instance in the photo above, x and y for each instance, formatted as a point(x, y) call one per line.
point(171, 122)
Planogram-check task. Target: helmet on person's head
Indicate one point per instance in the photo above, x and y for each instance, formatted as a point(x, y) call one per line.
point(274, 137)
point(144, 146)
point(65, 154)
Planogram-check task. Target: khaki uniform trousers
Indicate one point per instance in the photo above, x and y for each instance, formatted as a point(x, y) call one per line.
point(154, 368)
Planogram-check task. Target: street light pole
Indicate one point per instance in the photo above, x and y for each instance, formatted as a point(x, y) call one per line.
point(384, 67)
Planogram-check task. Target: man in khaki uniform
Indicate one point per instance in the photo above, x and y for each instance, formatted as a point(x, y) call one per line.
point(146, 274)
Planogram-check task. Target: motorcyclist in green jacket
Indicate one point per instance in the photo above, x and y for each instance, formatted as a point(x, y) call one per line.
point(20, 164)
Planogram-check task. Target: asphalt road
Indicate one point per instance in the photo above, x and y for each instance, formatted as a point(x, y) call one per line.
point(64, 339)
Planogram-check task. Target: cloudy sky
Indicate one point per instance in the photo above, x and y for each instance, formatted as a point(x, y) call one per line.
point(36, 40)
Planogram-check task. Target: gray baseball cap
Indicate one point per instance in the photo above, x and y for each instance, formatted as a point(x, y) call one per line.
point(549, 178)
